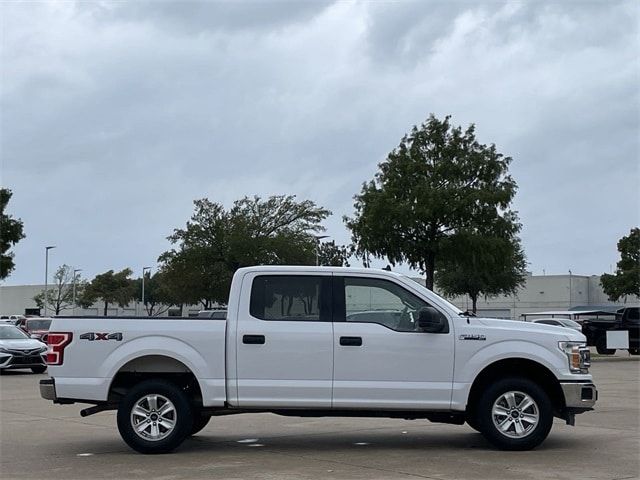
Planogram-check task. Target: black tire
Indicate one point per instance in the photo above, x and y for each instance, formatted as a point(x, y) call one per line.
point(41, 369)
point(521, 386)
point(181, 416)
point(634, 351)
point(601, 347)
point(199, 422)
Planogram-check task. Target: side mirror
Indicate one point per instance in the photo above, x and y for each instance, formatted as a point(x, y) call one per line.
point(430, 320)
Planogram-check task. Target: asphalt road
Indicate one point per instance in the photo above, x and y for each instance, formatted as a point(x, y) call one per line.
point(43, 441)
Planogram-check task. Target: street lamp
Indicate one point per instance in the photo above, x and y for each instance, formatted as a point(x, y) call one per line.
point(73, 311)
point(318, 238)
point(46, 277)
point(144, 269)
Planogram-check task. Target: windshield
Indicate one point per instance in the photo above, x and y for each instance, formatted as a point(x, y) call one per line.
point(40, 324)
point(9, 332)
point(425, 289)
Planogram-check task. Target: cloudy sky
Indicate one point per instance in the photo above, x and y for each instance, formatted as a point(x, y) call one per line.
point(115, 116)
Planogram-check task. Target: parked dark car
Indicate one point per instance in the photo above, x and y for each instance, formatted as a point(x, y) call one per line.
point(37, 328)
point(627, 318)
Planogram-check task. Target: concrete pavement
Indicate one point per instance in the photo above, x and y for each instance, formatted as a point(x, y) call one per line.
point(40, 440)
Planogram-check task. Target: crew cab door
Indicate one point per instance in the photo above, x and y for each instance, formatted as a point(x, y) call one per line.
point(382, 359)
point(285, 341)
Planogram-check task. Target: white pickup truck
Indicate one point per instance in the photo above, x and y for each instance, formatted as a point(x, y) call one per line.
point(321, 341)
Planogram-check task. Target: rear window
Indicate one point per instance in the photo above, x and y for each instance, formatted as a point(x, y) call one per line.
point(289, 297)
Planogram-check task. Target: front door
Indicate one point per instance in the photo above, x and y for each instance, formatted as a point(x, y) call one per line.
point(382, 360)
point(284, 342)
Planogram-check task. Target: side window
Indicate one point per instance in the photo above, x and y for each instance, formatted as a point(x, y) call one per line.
point(290, 298)
point(381, 301)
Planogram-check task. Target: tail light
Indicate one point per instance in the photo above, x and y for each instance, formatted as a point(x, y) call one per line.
point(57, 342)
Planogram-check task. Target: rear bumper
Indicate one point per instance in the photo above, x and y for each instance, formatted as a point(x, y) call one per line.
point(579, 395)
point(48, 389)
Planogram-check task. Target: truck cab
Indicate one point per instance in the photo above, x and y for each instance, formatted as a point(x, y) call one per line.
point(322, 341)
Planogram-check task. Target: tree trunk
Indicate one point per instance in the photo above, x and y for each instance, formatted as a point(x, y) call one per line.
point(106, 307)
point(474, 301)
point(429, 269)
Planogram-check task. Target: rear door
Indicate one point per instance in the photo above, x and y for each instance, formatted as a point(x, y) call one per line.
point(285, 341)
point(382, 359)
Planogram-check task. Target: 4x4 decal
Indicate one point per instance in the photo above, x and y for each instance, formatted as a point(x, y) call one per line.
point(91, 336)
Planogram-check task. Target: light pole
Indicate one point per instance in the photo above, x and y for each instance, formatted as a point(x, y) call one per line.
point(570, 286)
point(318, 238)
point(73, 311)
point(144, 269)
point(46, 277)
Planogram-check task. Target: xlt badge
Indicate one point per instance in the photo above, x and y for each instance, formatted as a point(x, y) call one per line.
point(472, 337)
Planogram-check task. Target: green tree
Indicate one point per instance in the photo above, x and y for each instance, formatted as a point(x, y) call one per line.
point(477, 265)
point(109, 287)
point(438, 181)
point(626, 280)
point(216, 242)
point(331, 254)
point(59, 296)
point(11, 232)
point(158, 296)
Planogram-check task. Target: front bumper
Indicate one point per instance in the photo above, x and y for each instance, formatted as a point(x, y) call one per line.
point(580, 395)
point(48, 389)
point(13, 360)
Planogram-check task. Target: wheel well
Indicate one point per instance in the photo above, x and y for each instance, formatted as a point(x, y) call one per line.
point(519, 367)
point(154, 366)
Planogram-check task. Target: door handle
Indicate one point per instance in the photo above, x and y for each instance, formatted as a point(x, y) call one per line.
point(351, 341)
point(253, 339)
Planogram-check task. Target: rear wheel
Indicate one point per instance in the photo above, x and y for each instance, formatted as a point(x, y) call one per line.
point(515, 414)
point(601, 346)
point(634, 351)
point(41, 369)
point(155, 416)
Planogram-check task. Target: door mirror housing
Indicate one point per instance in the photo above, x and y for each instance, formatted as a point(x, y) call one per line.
point(431, 321)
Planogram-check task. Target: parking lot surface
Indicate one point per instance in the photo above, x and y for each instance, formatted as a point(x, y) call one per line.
point(40, 440)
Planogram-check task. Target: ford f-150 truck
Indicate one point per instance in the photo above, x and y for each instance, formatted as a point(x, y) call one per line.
point(321, 341)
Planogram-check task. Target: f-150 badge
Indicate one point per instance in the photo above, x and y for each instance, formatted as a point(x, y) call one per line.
point(472, 337)
point(91, 336)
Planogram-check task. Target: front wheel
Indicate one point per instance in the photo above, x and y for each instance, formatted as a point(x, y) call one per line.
point(515, 414)
point(155, 416)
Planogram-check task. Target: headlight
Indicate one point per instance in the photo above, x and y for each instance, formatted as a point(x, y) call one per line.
point(578, 355)
point(3, 350)
point(43, 349)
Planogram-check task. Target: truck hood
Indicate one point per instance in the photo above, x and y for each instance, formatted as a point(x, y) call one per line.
point(522, 329)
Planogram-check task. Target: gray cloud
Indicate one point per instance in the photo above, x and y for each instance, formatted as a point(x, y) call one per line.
point(117, 115)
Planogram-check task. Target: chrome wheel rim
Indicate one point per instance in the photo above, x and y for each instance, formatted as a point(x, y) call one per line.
point(153, 417)
point(515, 414)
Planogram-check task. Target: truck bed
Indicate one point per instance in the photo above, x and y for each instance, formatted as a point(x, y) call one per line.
point(102, 347)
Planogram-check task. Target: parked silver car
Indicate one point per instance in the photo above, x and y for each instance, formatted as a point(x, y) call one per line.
point(559, 322)
point(17, 350)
